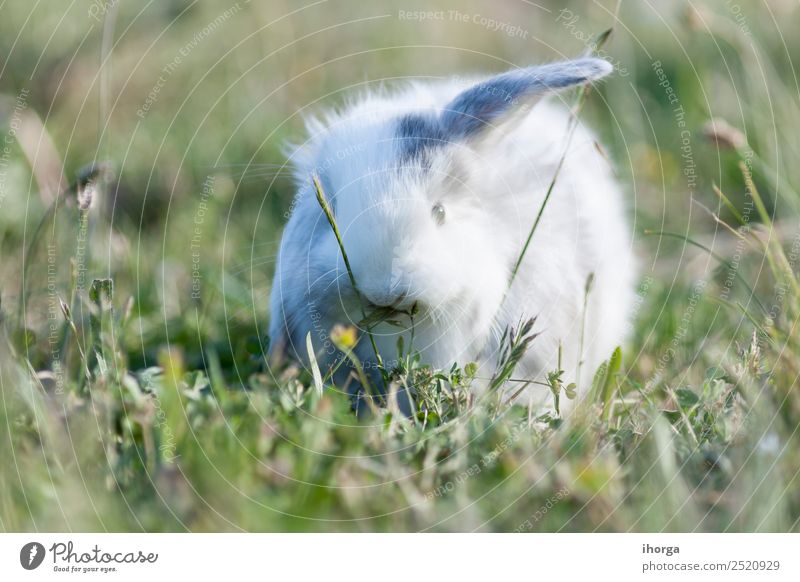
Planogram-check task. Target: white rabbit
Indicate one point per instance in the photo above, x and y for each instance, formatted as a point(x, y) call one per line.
point(434, 190)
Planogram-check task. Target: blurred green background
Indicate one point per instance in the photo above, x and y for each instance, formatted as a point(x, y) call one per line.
point(188, 106)
point(219, 88)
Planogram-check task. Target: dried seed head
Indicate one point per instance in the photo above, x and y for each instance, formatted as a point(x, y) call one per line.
point(86, 195)
point(724, 134)
point(65, 309)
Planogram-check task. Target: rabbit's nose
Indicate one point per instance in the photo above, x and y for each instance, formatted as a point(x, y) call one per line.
point(393, 295)
point(386, 299)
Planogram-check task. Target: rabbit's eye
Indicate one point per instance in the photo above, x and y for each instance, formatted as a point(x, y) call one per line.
point(438, 213)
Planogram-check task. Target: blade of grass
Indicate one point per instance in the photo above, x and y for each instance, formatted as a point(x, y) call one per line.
point(772, 248)
point(715, 217)
point(728, 204)
point(586, 290)
point(312, 359)
point(323, 202)
point(721, 260)
point(739, 307)
point(610, 383)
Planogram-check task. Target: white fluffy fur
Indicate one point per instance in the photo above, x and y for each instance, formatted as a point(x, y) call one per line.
point(491, 188)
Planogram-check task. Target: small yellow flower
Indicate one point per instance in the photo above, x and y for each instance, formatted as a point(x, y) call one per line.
point(344, 337)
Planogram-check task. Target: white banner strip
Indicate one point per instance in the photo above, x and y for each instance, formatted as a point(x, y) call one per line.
point(387, 557)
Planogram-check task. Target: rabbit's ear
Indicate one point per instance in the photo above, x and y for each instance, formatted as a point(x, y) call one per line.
point(503, 98)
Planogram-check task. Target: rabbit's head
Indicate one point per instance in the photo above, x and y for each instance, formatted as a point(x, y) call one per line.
point(416, 193)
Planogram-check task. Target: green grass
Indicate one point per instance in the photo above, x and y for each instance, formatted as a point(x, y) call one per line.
point(130, 402)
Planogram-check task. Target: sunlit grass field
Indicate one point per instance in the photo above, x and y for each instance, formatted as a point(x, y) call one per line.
point(143, 191)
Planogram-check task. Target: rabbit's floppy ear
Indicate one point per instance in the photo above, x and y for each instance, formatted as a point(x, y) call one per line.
point(500, 99)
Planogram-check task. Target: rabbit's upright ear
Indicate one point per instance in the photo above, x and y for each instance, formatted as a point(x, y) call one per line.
point(498, 100)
